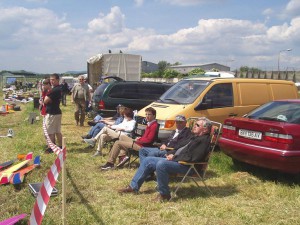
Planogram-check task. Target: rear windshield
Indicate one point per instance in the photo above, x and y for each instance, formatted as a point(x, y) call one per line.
point(100, 89)
point(184, 92)
point(278, 111)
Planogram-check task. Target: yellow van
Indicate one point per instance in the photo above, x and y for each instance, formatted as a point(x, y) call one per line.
point(216, 99)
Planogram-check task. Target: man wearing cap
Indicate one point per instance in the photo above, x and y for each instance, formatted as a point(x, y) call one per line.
point(177, 139)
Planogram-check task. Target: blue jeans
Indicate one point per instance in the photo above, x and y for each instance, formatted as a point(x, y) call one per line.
point(96, 129)
point(163, 168)
point(147, 151)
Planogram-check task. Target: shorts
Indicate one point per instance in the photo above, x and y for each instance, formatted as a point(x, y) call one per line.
point(53, 123)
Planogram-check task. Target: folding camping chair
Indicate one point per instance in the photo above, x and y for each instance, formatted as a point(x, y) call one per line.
point(200, 168)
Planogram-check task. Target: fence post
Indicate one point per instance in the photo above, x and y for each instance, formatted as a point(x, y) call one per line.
point(64, 186)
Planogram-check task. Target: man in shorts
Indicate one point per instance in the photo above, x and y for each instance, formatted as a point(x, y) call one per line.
point(53, 116)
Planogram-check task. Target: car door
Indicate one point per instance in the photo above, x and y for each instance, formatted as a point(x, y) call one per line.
point(218, 102)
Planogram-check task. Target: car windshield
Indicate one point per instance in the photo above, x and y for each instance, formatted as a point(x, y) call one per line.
point(278, 111)
point(184, 92)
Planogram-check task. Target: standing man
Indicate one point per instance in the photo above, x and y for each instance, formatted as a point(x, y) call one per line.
point(80, 94)
point(65, 91)
point(53, 116)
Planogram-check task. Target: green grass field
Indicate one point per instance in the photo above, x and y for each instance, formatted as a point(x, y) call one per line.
point(241, 195)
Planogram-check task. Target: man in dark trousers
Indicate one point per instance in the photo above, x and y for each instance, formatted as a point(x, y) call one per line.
point(64, 91)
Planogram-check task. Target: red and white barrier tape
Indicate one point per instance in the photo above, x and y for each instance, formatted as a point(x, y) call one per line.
point(54, 147)
point(43, 197)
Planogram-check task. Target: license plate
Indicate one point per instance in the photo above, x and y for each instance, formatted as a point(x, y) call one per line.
point(250, 134)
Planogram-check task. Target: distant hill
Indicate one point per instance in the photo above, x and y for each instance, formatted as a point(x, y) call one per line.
point(75, 72)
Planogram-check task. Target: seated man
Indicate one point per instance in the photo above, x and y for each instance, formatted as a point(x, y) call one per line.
point(177, 139)
point(100, 122)
point(195, 151)
point(126, 142)
point(113, 131)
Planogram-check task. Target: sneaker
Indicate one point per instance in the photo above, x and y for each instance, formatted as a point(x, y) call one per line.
point(107, 166)
point(97, 153)
point(48, 151)
point(91, 142)
point(124, 160)
point(86, 137)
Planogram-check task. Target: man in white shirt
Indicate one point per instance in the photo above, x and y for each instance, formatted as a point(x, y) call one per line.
point(113, 131)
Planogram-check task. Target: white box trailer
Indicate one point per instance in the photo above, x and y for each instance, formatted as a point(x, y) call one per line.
point(126, 66)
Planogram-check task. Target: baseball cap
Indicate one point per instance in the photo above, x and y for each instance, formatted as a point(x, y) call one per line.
point(180, 118)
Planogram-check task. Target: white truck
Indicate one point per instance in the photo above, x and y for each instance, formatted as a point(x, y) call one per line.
point(126, 66)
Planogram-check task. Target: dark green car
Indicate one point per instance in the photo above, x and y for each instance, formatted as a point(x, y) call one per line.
point(132, 94)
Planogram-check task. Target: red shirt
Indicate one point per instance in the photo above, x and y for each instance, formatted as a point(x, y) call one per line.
point(148, 137)
point(43, 106)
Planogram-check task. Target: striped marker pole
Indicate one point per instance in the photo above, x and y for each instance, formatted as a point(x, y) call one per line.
point(43, 197)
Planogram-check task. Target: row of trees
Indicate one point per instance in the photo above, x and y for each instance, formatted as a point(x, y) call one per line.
point(164, 72)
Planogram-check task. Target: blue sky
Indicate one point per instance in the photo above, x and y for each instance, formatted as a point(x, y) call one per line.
point(49, 36)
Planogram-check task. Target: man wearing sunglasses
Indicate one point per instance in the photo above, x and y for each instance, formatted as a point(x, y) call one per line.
point(80, 95)
point(195, 151)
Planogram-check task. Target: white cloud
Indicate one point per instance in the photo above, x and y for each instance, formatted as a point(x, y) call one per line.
point(285, 33)
point(111, 23)
point(139, 2)
point(268, 12)
point(293, 8)
point(186, 2)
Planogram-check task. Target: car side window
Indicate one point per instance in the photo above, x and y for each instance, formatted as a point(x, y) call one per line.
point(150, 92)
point(123, 90)
point(219, 96)
point(136, 91)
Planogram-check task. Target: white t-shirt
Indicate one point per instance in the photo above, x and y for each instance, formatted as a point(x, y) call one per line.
point(128, 126)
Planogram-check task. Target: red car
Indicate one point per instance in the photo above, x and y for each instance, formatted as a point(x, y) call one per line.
point(267, 137)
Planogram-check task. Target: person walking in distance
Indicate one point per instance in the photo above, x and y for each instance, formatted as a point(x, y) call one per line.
point(64, 91)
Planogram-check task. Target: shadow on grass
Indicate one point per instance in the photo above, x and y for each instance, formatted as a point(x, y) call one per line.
point(267, 174)
point(83, 200)
point(194, 192)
